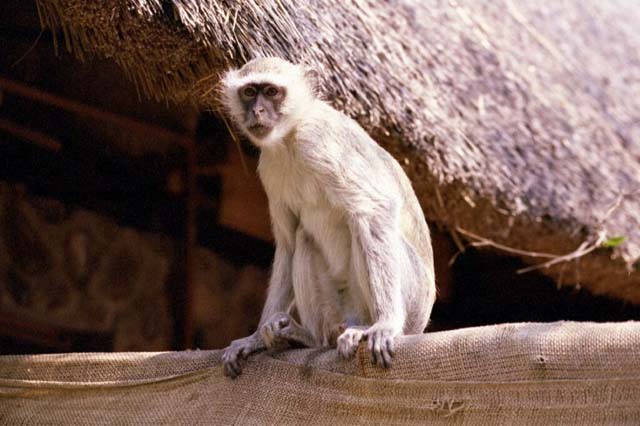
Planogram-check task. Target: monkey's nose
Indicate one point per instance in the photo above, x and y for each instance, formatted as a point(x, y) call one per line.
point(258, 111)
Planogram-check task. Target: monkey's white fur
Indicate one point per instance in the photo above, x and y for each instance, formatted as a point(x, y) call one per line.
point(352, 245)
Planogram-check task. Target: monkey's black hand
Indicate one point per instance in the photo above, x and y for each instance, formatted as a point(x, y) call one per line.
point(380, 343)
point(239, 350)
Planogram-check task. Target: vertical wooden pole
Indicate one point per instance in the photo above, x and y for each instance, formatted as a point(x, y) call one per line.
point(190, 246)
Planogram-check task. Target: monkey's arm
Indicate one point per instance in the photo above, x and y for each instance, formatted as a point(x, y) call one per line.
point(279, 294)
point(376, 247)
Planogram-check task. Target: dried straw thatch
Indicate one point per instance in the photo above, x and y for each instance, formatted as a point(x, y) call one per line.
point(517, 121)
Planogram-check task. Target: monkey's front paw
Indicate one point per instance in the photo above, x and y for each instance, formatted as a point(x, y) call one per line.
point(380, 343)
point(273, 331)
point(348, 342)
point(238, 350)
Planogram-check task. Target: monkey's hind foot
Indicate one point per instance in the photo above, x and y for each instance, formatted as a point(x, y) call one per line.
point(348, 341)
point(281, 328)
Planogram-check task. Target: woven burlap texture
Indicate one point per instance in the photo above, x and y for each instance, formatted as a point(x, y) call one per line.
point(510, 374)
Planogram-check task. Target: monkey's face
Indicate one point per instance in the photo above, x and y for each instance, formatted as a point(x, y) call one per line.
point(262, 105)
point(266, 99)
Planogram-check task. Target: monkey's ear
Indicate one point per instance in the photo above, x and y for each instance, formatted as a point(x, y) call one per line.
point(312, 77)
point(311, 73)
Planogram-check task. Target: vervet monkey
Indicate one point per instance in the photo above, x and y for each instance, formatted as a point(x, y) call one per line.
point(353, 252)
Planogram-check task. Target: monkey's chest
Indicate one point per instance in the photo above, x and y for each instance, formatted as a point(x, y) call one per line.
point(307, 199)
point(285, 180)
point(332, 238)
point(326, 226)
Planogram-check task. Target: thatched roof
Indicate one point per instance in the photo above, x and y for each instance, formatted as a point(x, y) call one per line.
point(517, 121)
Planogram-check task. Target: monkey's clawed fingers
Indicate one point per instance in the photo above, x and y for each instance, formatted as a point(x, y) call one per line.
point(231, 361)
point(238, 350)
point(380, 344)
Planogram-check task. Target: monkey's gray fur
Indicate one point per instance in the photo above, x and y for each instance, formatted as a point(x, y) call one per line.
point(353, 252)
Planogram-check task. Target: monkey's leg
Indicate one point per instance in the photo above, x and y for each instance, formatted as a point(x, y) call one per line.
point(419, 282)
point(282, 328)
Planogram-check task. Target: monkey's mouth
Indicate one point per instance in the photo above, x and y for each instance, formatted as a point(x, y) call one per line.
point(259, 129)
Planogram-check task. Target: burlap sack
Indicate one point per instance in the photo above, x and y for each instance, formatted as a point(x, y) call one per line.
point(512, 374)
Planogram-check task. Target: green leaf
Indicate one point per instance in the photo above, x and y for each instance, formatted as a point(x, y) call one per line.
point(613, 242)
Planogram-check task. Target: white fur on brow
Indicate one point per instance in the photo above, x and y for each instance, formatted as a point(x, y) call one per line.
point(233, 79)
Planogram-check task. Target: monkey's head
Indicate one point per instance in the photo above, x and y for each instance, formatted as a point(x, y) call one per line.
point(266, 97)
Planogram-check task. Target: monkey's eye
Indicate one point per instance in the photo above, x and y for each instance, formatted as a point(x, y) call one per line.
point(271, 91)
point(249, 92)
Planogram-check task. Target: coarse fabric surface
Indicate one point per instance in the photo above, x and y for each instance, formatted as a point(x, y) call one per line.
point(511, 374)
